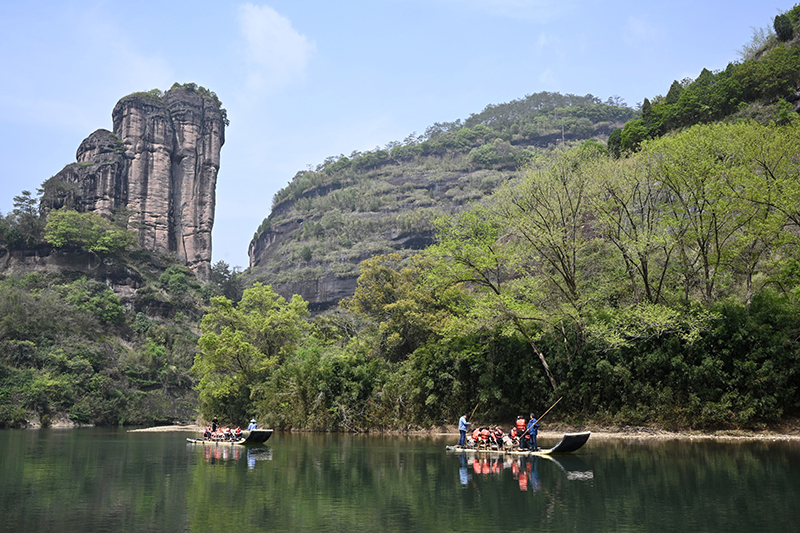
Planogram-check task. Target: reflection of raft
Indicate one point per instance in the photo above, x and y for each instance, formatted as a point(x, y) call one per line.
point(569, 443)
point(255, 436)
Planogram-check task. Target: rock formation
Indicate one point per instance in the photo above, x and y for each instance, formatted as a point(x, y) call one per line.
point(158, 170)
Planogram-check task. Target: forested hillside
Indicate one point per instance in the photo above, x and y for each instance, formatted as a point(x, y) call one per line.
point(640, 264)
point(650, 281)
point(326, 221)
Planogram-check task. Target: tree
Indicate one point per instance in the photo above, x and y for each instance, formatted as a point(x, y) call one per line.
point(404, 311)
point(225, 281)
point(471, 255)
point(674, 93)
point(614, 143)
point(26, 218)
point(87, 231)
point(241, 345)
point(783, 27)
point(712, 225)
point(629, 206)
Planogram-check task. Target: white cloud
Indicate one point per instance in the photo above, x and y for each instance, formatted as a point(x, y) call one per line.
point(548, 78)
point(638, 31)
point(276, 53)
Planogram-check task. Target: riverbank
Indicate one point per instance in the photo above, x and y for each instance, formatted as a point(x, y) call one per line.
point(787, 431)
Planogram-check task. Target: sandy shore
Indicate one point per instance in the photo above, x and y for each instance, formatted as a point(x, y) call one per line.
point(789, 432)
point(155, 429)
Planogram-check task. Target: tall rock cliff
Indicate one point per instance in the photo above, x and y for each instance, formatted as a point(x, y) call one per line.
point(158, 170)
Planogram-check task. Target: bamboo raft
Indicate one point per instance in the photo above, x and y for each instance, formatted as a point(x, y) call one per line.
point(255, 436)
point(569, 443)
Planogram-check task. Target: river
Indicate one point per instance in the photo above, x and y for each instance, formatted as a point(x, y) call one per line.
point(114, 480)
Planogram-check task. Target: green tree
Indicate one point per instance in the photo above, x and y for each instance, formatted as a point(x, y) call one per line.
point(25, 217)
point(614, 143)
point(629, 206)
point(471, 256)
point(783, 27)
point(241, 345)
point(392, 294)
point(87, 231)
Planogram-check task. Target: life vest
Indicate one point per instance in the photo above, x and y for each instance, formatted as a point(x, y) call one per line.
point(498, 433)
point(520, 425)
point(476, 433)
point(485, 434)
point(513, 433)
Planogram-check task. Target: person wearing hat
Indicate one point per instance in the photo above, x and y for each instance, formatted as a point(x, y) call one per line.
point(252, 425)
point(462, 428)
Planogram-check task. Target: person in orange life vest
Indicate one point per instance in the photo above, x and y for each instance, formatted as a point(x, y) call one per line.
point(485, 434)
point(524, 439)
point(498, 436)
point(476, 435)
point(238, 433)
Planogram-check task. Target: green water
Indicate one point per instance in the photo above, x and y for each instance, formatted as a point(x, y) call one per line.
point(113, 480)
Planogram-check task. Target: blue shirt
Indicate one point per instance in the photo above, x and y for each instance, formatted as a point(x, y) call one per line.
point(462, 423)
point(533, 427)
point(252, 426)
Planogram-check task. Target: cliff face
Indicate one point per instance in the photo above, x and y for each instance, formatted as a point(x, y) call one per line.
point(158, 170)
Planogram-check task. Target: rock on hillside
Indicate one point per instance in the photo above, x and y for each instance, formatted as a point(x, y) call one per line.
point(158, 169)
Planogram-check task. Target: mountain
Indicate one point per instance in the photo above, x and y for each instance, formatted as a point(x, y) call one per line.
point(326, 221)
point(157, 169)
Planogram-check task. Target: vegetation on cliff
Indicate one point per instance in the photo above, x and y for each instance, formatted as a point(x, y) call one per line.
point(656, 288)
point(384, 200)
point(70, 347)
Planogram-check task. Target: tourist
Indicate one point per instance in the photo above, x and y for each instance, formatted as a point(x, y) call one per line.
point(521, 434)
point(462, 429)
point(485, 435)
point(498, 437)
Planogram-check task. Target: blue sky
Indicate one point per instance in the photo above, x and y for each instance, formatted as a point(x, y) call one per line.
point(304, 80)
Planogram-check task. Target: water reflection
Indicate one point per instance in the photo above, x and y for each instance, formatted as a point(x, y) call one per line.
point(523, 469)
point(223, 454)
point(112, 481)
point(259, 453)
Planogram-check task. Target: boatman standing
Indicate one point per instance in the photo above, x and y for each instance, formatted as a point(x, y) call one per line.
point(533, 430)
point(462, 428)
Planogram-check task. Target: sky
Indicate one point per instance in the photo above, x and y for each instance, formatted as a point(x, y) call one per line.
point(303, 80)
